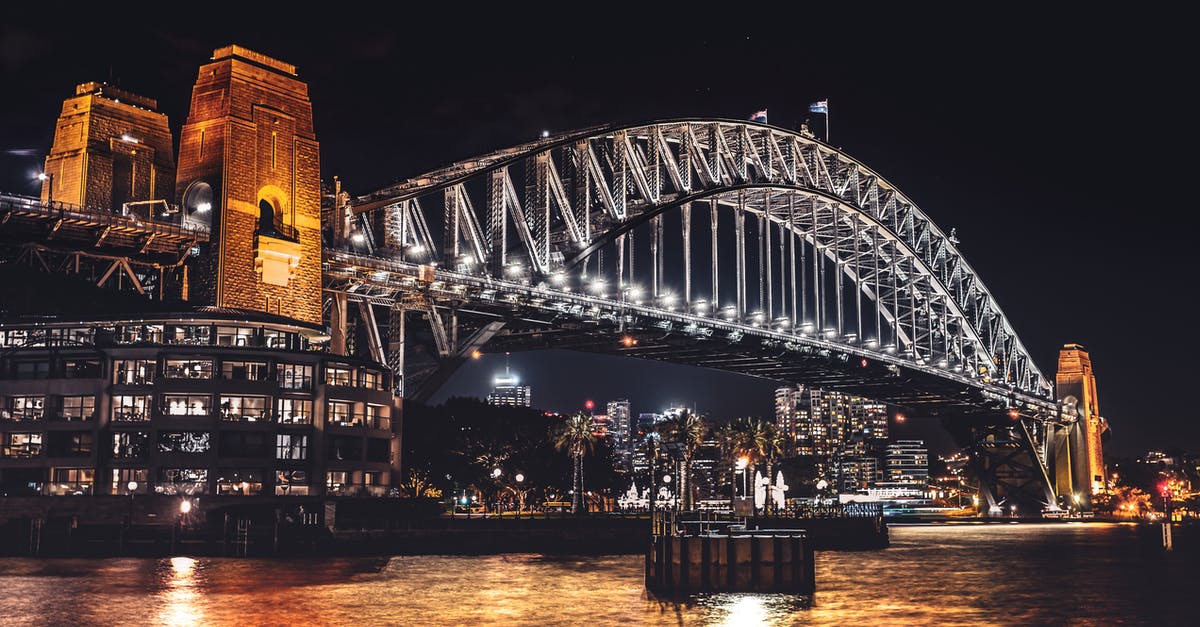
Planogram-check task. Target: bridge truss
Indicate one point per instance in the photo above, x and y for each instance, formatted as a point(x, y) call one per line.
point(719, 243)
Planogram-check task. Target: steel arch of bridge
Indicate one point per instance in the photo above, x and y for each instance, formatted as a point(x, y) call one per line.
point(583, 191)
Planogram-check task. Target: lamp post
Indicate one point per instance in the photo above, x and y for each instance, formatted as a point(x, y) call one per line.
point(132, 486)
point(49, 178)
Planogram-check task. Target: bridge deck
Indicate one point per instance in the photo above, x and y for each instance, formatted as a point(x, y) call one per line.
point(66, 227)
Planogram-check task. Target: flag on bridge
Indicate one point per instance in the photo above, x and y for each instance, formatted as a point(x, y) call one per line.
point(759, 116)
point(820, 106)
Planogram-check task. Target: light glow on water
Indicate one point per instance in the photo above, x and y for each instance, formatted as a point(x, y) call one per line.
point(933, 574)
point(181, 601)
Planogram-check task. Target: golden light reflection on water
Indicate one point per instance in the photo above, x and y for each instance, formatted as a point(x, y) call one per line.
point(180, 600)
point(943, 575)
point(746, 611)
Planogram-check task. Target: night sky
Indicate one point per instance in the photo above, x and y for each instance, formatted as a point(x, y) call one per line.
point(1047, 139)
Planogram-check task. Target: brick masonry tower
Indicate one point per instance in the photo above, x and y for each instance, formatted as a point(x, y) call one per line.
point(110, 148)
point(1075, 380)
point(249, 168)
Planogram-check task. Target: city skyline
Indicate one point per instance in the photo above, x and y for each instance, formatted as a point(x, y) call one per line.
point(1042, 237)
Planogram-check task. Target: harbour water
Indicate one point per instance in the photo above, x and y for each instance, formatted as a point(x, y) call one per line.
point(961, 574)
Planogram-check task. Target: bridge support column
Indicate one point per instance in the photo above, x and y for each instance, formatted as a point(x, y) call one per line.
point(395, 351)
point(337, 324)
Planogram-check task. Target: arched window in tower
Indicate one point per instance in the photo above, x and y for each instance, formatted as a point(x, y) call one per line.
point(267, 218)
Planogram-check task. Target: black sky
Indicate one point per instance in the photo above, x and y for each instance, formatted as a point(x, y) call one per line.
point(1051, 139)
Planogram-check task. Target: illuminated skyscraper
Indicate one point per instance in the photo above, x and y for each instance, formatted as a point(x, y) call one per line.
point(821, 423)
point(508, 390)
point(907, 466)
point(619, 425)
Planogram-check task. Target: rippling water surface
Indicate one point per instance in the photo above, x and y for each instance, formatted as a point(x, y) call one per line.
point(1093, 574)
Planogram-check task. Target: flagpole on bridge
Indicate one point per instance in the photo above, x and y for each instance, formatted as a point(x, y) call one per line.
point(822, 107)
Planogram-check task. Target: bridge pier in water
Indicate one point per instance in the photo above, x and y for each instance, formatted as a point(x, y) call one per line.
point(690, 556)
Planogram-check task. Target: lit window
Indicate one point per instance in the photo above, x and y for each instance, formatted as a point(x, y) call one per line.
point(335, 375)
point(186, 404)
point(182, 481)
point(20, 445)
point(130, 444)
point(248, 408)
point(188, 368)
point(235, 336)
point(341, 413)
point(133, 371)
point(291, 446)
point(183, 442)
point(81, 408)
point(245, 370)
point(291, 482)
point(295, 376)
point(239, 481)
point(133, 408)
point(295, 411)
point(71, 481)
point(25, 408)
point(122, 476)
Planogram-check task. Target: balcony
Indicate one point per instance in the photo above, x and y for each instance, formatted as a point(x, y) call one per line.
point(368, 421)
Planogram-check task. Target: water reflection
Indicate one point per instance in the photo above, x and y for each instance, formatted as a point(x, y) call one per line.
point(963, 574)
point(744, 611)
point(180, 601)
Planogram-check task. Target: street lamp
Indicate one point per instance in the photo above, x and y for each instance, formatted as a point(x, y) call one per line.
point(742, 463)
point(49, 178)
point(132, 486)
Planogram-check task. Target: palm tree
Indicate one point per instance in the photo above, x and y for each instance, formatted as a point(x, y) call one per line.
point(650, 447)
point(762, 444)
point(731, 438)
point(575, 436)
point(687, 430)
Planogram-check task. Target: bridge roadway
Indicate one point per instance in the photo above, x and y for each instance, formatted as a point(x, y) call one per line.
point(539, 316)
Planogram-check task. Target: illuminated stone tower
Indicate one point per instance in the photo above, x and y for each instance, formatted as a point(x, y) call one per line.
point(110, 148)
point(249, 169)
point(1079, 467)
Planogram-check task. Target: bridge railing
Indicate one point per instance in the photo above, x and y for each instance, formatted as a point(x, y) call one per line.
point(53, 210)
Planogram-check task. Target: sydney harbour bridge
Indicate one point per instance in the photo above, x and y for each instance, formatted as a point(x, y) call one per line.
point(717, 243)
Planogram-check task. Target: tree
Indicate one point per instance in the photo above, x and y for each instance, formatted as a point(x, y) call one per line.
point(731, 439)
point(686, 431)
point(575, 437)
point(650, 446)
point(757, 441)
point(418, 484)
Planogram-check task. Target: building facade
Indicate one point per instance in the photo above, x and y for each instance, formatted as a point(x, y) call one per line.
point(845, 434)
point(207, 402)
point(907, 467)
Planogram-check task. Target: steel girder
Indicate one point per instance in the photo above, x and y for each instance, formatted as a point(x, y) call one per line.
point(821, 201)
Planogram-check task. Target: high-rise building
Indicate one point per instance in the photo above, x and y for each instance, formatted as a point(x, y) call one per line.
point(619, 424)
point(840, 430)
point(508, 391)
point(907, 466)
point(857, 473)
point(600, 426)
point(821, 423)
point(645, 424)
